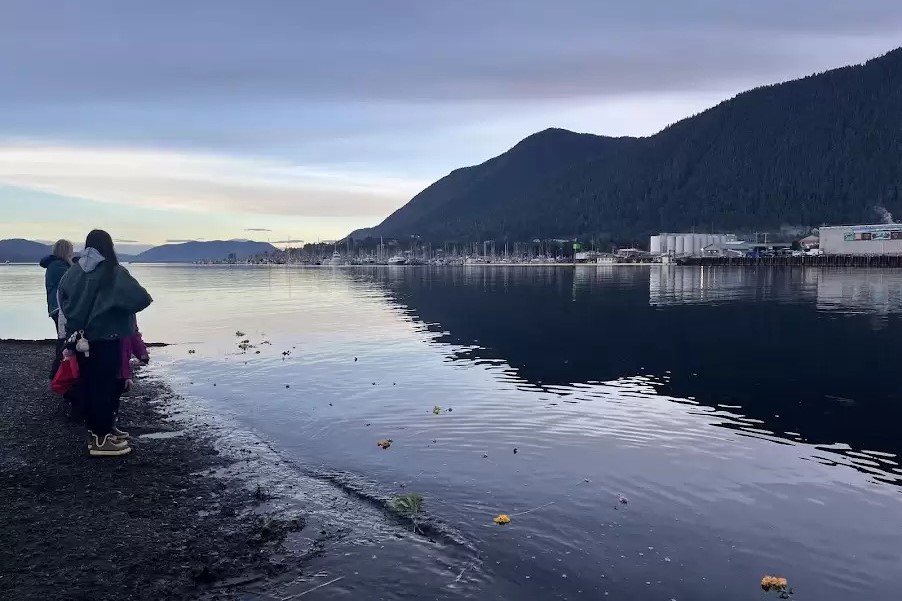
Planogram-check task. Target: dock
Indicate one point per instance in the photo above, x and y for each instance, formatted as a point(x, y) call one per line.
point(804, 261)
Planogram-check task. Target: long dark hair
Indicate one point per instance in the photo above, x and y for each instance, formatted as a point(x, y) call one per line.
point(101, 241)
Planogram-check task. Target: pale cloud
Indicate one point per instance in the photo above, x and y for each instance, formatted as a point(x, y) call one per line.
point(315, 119)
point(201, 182)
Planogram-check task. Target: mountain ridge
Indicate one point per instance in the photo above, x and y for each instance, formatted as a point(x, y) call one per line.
point(20, 250)
point(205, 250)
point(824, 148)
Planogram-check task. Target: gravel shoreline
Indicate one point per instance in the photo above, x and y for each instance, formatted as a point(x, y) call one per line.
point(155, 524)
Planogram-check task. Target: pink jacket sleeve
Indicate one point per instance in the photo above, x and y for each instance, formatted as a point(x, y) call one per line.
point(138, 347)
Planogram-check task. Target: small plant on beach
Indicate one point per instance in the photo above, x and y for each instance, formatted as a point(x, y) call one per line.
point(409, 506)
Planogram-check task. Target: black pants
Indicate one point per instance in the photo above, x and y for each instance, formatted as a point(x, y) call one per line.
point(121, 390)
point(101, 386)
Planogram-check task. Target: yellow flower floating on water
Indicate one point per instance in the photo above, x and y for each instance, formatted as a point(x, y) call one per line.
point(502, 519)
point(774, 583)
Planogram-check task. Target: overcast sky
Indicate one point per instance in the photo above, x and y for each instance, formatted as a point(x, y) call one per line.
point(303, 120)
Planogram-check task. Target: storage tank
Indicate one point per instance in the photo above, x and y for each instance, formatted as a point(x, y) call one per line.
point(671, 244)
point(690, 245)
point(680, 247)
point(654, 246)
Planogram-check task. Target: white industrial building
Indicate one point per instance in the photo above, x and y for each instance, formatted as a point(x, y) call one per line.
point(685, 245)
point(879, 239)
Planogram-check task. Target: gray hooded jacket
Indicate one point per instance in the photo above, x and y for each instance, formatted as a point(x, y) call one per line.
point(100, 298)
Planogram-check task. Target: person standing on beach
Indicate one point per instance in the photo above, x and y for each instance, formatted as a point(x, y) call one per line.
point(56, 264)
point(98, 299)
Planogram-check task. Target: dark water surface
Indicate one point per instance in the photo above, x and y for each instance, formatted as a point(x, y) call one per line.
point(749, 417)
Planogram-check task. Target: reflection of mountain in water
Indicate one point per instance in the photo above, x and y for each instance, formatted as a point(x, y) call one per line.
point(769, 350)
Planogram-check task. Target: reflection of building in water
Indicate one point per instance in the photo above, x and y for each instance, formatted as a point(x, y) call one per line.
point(860, 291)
point(675, 285)
point(680, 285)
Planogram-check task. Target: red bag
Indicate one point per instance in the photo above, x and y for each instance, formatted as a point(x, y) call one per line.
point(66, 376)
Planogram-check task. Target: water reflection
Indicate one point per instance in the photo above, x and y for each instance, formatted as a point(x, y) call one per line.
point(669, 285)
point(727, 405)
point(861, 291)
point(754, 344)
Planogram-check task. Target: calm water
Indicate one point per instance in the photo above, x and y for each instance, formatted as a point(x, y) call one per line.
point(751, 418)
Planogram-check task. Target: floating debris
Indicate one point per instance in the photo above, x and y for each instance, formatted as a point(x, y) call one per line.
point(436, 410)
point(239, 334)
point(382, 444)
point(374, 383)
point(355, 359)
point(287, 386)
point(286, 353)
point(502, 519)
point(622, 500)
point(485, 456)
point(449, 409)
point(774, 583)
point(515, 450)
point(258, 352)
point(408, 505)
point(190, 351)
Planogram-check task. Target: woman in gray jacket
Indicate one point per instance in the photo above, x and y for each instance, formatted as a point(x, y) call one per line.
point(99, 298)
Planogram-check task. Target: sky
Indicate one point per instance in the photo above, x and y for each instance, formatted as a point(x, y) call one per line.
point(279, 121)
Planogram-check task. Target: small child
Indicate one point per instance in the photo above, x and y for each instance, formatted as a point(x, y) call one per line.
point(133, 346)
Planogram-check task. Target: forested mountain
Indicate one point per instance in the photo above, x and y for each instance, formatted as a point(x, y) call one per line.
point(823, 149)
point(458, 201)
point(212, 250)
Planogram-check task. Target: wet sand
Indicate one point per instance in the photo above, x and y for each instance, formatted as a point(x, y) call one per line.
point(155, 524)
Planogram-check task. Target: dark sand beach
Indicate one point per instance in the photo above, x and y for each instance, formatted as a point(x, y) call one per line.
point(156, 524)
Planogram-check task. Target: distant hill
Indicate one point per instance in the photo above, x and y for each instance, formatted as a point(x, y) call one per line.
point(22, 251)
point(214, 250)
point(823, 149)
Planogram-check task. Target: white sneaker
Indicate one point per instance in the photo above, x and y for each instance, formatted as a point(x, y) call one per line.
point(108, 447)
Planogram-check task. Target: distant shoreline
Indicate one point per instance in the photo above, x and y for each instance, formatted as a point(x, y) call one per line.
point(52, 341)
